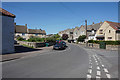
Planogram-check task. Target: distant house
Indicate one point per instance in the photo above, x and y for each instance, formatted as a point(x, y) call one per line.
point(36, 33)
point(69, 32)
point(109, 31)
point(21, 30)
point(24, 32)
point(91, 30)
point(76, 33)
point(7, 30)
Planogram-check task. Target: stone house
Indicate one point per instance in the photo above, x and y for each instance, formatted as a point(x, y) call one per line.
point(109, 31)
point(24, 32)
point(69, 32)
point(36, 33)
point(91, 30)
point(21, 30)
point(76, 33)
point(7, 31)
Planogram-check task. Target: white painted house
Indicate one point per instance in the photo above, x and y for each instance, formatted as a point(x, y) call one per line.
point(7, 37)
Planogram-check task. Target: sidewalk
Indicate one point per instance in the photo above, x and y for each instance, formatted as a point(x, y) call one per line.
point(24, 51)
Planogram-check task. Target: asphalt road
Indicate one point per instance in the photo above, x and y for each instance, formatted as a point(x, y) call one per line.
point(73, 62)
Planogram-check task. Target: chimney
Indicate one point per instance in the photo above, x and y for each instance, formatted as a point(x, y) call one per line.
point(15, 24)
point(93, 23)
point(26, 25)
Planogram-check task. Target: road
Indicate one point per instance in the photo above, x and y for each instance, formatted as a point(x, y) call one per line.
point(73, 62)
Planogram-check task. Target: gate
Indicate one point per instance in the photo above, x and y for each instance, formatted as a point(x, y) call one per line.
point(102, 45)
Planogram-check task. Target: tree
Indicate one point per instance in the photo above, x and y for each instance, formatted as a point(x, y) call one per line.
point(65, 36)
point(81, 38)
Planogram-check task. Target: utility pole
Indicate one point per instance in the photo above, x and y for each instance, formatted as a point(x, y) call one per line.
point(86, 28)
point(86, 32)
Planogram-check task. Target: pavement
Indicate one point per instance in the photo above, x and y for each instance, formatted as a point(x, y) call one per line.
point(22, 51)
point(74, 62)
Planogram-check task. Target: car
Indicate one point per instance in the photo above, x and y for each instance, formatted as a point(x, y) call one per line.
point(59, 45)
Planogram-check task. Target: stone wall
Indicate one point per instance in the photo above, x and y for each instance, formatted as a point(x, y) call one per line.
point(108, 47)
point(35, 44)
point(112, 47)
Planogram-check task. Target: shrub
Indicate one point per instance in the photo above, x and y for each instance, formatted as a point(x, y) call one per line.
point(81, 38)
point(65, 36)
point(36, 40)
point(20, 39)
point(107, 42)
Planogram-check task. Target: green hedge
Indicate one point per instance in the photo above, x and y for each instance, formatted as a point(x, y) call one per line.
point(36, 39)
point(107, 42)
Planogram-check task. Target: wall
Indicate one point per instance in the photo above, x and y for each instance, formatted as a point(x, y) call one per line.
point(35, 44)
point(7, 34)
point(108, 47)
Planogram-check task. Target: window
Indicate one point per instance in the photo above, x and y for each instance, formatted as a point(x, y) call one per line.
point(109, 31)
point(101, 31)
point(109, 37)
point(23, 34)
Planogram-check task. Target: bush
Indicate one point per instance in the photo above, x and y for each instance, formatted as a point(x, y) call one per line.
point(65, 36)
point(36, 40)
point(107, 42)
point(81, 38)
point(20, 39)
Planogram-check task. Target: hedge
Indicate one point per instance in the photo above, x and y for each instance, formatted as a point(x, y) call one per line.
point(107, 42)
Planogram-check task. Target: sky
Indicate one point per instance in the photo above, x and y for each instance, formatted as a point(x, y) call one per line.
point(57, 16)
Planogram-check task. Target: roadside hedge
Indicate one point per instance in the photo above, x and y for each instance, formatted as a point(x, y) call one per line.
point(107, 42)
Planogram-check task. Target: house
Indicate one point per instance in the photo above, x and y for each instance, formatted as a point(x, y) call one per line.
point(36, 33)
point(21, 31)
point(76, 33)
point(109, 31)
point(91, 30)
point(69, 32)
point(6, 31)
point(24, 32)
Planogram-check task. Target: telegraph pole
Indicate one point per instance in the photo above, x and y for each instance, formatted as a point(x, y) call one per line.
point(86, 28)
point(86, 32)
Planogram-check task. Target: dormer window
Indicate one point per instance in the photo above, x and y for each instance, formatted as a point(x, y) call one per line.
point(109, 31)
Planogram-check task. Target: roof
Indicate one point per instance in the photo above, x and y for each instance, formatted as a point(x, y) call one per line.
point(20, 29)
point(6, 13)
point(94, 26)
point(36, 31)
point(114, 25)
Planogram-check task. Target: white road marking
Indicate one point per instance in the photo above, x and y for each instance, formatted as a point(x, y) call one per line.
point(88, 76)
point(90, 71)
point(98, 73)
point(98, 67)
point(108, 75)
point(105, 70)
point(103, 65)
point(97, 76)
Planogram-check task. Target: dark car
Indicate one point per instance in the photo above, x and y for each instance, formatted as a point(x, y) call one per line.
point(59, 45)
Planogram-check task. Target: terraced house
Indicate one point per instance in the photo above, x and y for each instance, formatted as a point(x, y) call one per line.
point(109, 31)
point(22, 31)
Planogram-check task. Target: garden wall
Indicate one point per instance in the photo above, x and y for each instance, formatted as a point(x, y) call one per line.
point(108, 47)
point(34, 44)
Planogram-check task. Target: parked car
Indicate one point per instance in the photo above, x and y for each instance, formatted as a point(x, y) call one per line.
point(59, 45)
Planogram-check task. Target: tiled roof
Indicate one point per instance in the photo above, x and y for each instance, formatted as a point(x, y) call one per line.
point(20, 29)
point(36, 31)
point(6, 13)
point(114, 25)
